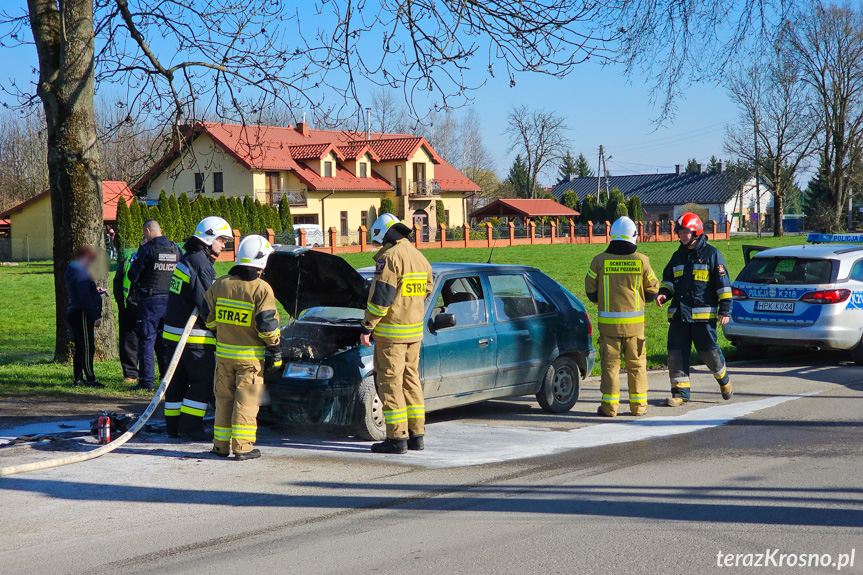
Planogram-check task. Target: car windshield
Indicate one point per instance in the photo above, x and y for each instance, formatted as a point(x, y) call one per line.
point(787, 271)
point(331, 315)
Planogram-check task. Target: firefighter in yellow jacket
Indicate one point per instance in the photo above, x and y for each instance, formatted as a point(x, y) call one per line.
point(395, 314)
point(242, 313)
point(620, 281)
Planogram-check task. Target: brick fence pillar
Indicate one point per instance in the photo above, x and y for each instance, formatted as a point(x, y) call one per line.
point(271, 236)
point(511, 232)
point(640, 227)
point(489, 234)
point(571, 231)
point(302, 237)
point(607, 231)
point(531, 230)
point(418, 235)
point(589, 232)
point(334, 235)
point(466, 228)
point(442, 235)
point(363, 231)
point(553, 231)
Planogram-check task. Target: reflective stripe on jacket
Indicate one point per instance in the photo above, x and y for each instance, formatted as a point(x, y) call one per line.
point(697, 284)
point(396, 304)
point(620, 283)
point(192, 277)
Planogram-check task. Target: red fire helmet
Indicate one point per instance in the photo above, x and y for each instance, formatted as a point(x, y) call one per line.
point(691, 222)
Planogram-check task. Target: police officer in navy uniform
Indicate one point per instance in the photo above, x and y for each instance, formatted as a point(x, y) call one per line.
point(151, 274)
point(192, 385)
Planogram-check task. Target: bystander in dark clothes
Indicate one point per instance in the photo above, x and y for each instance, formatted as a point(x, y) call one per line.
point(83, 314)
point(127, 309)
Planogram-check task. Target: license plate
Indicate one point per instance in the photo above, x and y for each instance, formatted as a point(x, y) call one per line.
point(776, 306)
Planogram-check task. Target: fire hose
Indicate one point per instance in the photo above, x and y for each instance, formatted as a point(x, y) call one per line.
point(102, 450)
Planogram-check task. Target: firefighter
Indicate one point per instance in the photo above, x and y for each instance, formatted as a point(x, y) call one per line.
point(151, 274)
point(620, 281)
point(127, 316)
point(192, 385)
point(394, 314)
point(241, 311)
point(697, 284)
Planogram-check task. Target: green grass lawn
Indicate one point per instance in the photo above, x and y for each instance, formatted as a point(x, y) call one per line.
point(27, 337)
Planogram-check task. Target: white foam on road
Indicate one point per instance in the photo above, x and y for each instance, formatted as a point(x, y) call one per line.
point(7, 435)
point(454, 444)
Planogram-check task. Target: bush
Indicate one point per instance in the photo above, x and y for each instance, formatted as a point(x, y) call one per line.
point(633, 206)
point(387, 207)
point(285, 217)
point(124, 227)
point(696, 209)
point(440, 212)
point(622, 211)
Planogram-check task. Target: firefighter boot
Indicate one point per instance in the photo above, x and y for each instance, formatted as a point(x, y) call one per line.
point(601, 412)
point(416, 443)
point(399, 446)
point(726, 391)
point(675, 401)
point(253, 454)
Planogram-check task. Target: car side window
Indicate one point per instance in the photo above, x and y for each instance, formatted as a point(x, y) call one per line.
point(857, 272)
point(462, 297)
point(512, 297)
point(543, 304)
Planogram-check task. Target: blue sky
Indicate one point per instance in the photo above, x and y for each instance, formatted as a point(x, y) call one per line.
point(602, 107)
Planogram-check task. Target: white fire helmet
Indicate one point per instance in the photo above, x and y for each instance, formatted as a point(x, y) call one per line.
point(211, 228)
point(624, 229)
point(254, 251)
point(383, 224)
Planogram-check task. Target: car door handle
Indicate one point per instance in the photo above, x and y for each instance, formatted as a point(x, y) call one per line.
point(484, 342)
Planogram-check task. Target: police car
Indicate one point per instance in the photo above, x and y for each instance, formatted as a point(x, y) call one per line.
point(805, 295)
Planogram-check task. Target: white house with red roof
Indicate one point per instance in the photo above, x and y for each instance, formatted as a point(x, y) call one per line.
point(332, 178)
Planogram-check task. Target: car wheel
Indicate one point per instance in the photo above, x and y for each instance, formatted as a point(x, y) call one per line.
point(369, 419)
point(560, 387)
point(857, 353)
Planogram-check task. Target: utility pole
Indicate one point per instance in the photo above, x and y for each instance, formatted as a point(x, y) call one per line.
point(757, 180)
point(598, 173)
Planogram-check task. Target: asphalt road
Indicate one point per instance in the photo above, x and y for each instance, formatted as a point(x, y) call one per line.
point(776, 470)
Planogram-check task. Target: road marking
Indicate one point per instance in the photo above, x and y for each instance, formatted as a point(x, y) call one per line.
point(454, 444)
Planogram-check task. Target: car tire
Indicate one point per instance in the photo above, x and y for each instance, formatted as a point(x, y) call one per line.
point(857, 353)
point(369, 419)
point(560, 386)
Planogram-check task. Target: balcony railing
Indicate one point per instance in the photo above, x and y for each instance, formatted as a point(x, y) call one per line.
point(423, 188)
point(273, 197)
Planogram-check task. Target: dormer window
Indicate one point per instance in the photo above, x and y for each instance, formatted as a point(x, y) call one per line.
point(364, 170)
point(328, 169)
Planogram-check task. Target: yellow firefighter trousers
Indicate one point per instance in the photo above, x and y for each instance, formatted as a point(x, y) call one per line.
point(610, 350)
point(399, 387)
point(238, 388)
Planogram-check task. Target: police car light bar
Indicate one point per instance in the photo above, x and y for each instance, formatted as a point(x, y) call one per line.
point(835, 238)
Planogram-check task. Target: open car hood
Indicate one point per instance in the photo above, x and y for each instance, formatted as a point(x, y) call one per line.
point(324, 280)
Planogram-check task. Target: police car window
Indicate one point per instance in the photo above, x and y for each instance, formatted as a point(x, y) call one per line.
point(787, 271)
point(857, 272)
point(543, 304)
point(512, 297)
point(463, 297)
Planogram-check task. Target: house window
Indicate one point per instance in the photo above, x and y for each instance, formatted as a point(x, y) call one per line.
point(218, 183)
point(307, 219)
point(199, 183)
point(364, 170)
point(398, 180)
point(328, 169)
point(364, 218)
point(344, 219)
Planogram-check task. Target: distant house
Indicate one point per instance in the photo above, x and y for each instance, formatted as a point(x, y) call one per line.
point(32, 227)
point(724, 193)
point(331, 178)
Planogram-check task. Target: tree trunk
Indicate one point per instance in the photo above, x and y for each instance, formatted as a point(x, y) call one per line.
point(65, 46)
point(778, 210)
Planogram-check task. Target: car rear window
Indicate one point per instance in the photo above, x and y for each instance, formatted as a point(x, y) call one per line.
point(787, 271)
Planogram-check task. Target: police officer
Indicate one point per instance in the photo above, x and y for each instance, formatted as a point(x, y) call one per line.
point(242, 314)
point(151, 274)
point(394, 314)
point(192, 385)
point(697, 283)
point(128, 319)
point(620, 281)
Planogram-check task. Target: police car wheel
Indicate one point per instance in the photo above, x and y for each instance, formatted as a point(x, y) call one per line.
point(369, 417)
point(560, 386)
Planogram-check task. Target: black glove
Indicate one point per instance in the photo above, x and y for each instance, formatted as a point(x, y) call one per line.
point(273, 361)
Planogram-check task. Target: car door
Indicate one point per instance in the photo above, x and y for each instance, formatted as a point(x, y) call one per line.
point(460, 360)
point(521, 336)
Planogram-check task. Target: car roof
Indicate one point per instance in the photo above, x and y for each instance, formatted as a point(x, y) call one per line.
point(815, 251)
point(456, 267)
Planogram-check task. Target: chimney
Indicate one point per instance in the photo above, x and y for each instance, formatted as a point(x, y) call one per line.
point(700, 168)
point(303, 128)
point(676, 169)
point(719, 167)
